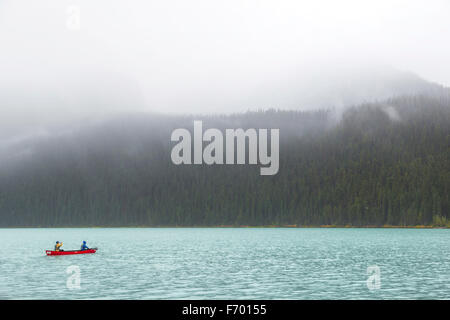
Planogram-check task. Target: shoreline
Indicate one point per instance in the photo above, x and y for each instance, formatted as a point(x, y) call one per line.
point(236, 227)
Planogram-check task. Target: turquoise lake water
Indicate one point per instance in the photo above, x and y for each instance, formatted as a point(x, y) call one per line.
point(227, 263)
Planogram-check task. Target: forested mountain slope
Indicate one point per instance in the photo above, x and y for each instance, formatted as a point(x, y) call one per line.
point(375, 164)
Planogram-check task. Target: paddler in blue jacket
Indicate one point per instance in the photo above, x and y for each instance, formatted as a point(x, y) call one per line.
point(84, 246)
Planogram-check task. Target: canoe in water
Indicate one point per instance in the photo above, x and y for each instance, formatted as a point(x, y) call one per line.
point(63, 253)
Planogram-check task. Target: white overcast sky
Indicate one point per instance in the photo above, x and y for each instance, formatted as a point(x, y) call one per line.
point(179, 55)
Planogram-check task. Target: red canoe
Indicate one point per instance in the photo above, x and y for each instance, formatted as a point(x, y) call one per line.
point(63, 253)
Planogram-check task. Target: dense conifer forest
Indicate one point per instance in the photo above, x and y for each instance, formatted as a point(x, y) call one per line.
point(380, 163)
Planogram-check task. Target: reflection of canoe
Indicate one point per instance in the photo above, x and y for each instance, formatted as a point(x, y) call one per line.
point(63, 253)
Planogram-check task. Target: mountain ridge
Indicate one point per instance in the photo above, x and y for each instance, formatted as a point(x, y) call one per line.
point(366, 169)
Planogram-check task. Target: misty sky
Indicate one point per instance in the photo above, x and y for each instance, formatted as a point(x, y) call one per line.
point(203, 55)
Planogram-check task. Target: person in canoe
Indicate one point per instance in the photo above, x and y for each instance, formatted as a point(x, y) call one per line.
point(84, 246)
point(58, 246)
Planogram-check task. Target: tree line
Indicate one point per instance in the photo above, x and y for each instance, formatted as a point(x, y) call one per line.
point(376, 164)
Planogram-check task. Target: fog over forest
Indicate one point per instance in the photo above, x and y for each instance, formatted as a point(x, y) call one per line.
point(90, 93)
